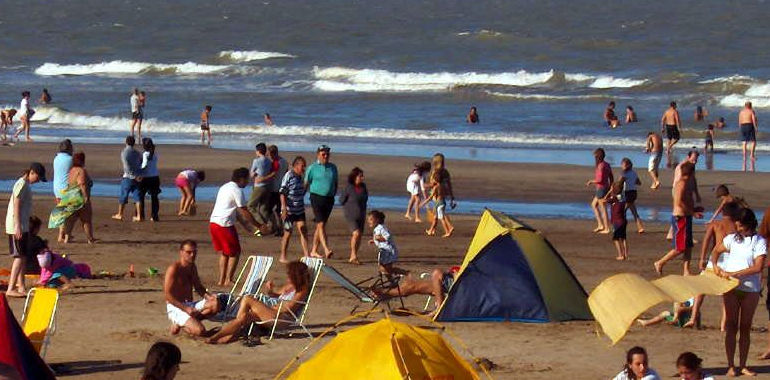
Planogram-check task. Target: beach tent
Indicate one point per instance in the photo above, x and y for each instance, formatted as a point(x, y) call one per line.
point(512, 273)
point(386, 349)
point(16, 349)
point(620, 299)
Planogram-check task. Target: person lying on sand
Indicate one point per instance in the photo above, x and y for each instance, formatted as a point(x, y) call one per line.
point(181, 278)
point(266, 306)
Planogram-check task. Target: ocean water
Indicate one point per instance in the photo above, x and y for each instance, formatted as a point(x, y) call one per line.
point(392, 77)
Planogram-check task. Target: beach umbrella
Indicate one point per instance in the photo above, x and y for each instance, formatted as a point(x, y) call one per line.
point(386, 349)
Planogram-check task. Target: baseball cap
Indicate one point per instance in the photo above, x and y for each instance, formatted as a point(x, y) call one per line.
point(323, 147)
point(39, 169)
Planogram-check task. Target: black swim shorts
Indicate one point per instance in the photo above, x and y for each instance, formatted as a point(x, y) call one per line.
point(672, 132)
point(748, 133)
point(322, 207)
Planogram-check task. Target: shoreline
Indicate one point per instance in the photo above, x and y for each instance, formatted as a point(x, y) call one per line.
point(386, 175)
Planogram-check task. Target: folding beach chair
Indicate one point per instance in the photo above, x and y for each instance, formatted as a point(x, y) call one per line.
point(39, 317)
point(257, 266)
point(363, 295)
point(285, 316)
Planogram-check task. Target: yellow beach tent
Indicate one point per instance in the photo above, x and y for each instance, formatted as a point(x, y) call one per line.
point(386, 349)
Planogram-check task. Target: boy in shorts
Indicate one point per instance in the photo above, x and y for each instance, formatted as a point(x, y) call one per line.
point(292, 193)
point(205, 126)
point(681, 221)
point(180, 280)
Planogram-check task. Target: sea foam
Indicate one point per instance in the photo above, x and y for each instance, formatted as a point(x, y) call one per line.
point(250, 55)
point(758, 94)
point(127, 67)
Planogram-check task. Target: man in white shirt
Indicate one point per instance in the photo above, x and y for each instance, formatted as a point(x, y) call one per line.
point(230, 204)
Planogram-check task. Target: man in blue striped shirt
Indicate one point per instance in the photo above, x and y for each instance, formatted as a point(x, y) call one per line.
point(292, 192)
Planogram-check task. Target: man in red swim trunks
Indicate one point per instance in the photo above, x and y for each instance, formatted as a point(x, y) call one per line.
point(229, 204)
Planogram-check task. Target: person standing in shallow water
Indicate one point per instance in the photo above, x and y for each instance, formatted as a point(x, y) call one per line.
point(670, 125)
point(747, 119)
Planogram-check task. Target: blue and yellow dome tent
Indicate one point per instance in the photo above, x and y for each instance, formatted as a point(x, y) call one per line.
point(512, 273)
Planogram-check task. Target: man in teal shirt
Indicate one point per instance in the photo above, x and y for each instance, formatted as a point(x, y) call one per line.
point(321, 182)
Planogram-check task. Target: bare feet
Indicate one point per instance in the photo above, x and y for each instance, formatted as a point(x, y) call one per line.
point(658, 268)
point(745, 371)
point(605, 232)
point(448, 233)
point(354, 261)
point(316, 255)
point(406, 216)
point(731, 372)
point(229, 284)
point(329, 254)
point(137, 219)
point(15, 294)
point(283, 260)
point(430, 232)
point(641, 323)
point(117, 217)
point(418, 220)
point(764, 356)
point(174, 329)
point(597, 229)
point(620, 258)
point(641, 230)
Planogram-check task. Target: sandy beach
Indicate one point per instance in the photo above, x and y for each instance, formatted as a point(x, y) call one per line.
point(106, 326)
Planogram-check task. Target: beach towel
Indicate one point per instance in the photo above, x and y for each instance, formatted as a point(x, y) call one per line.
point(71, 201)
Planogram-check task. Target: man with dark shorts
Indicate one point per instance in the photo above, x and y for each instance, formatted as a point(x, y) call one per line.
point(136, 114)
point(321, 182)
point(747, 119)
point(670, 124)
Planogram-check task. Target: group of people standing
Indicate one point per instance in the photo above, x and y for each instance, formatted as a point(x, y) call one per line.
point(140, 177)
point(430, 182)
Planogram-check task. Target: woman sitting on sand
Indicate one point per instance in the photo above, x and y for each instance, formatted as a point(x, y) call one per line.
point(637, 366)
point(75, 202)
point(187, 180)
point(745, 261)
point(265, 307)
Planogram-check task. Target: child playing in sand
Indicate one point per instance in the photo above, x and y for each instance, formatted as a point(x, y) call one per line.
point(387, 253)
point(437, 196)
point(55, 270)
point(415, 185)
point(709, 139)
point(618, 215)
point(205, 126)
point(678, 315)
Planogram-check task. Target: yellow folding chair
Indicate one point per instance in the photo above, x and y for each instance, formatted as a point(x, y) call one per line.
point(39, 317)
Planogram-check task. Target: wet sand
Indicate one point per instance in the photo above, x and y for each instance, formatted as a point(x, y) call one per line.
point(107, 325)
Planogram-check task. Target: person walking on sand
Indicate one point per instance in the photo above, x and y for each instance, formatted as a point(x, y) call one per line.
point(129, 185)
point(630, 182)
point(180, 280)
point(681, 220)
point(415, 185)
point(292, 192)
point(670, 125)
point(602, 180)
point(136, 115)
point(25, 115)
point(279, 167)
point(747, 119)
point(62, 163)
point(353, 199)
point(744, 261)
point(205, 125)
point(440, 183)
point(262, 174)
point(17, 226)
point(654, 147)
point(74, 203)
point(230, 203)
point(617, 202)
point(6, 121)
point(321, 182)
point(692, 157)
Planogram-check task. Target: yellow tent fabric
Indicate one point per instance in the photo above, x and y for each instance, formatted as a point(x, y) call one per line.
point(620, 299)
point(386, 349)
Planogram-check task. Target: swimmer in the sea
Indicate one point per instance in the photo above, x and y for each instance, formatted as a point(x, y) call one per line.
point(610, 117)
point(670, 125)
point(205, 126)
point(473, 116)
point(630, 115)
point(268, 120)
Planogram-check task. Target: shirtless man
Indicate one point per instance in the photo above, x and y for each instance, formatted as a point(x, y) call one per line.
point(181, 279)
point(268, 120)
point(6, 120)
point(654, 147)
point(681, 220)
point(670, 124)
point(747, 119)
point(205, 126)
point(715, 233)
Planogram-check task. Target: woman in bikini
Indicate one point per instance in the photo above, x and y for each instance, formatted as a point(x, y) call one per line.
point(265, 307)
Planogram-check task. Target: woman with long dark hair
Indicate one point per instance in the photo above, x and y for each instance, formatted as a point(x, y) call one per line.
point(150, 180)
point(745, 261)
point(162, 362)
point(353, 200)
point(637, 366)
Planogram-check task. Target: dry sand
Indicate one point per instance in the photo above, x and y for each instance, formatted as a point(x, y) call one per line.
point(106, 326)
